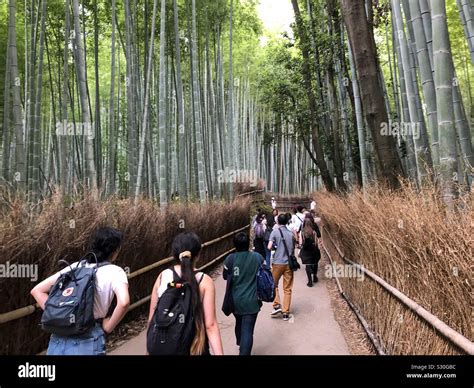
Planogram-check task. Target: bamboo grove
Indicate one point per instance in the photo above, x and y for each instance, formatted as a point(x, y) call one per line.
point(178, 99)
point(380, 90)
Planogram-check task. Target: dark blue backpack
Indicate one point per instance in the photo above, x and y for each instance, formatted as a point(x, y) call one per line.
point(69, 309)
point(265, 284)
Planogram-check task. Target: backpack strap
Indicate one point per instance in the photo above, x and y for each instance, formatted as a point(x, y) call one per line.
point(175, 274)
point(301, 225)
point(103, 264)
point(176, 279)
point(284, 243)
point(202, 277)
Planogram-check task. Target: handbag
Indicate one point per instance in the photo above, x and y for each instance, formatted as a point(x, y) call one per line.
point(228, 303)
point(292, 261)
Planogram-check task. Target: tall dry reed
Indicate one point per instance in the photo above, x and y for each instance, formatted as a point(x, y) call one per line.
point(408, 239)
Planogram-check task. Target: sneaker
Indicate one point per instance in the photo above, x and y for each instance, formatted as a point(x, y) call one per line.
point(276, 311)
point(286, 316)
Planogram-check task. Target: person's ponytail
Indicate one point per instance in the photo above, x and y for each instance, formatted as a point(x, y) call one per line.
point(188, 276)
point(186, 247)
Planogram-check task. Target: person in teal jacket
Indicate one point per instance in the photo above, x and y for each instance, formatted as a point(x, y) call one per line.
point(243, 266)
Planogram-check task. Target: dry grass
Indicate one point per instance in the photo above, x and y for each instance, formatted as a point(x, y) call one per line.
point(58, 231)
point(247, 187)
point(407, 239)
point(356, 338)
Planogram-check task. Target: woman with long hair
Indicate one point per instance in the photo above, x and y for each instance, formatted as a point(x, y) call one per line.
point(185, 249)
point(309, 252)
point(259, 234)
point(268, 231)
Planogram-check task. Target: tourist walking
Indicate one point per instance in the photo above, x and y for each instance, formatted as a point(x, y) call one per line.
point(281, 236)
point(309, 253)
point(242, 268)
point(182, 317)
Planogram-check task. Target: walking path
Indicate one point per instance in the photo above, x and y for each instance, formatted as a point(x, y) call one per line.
point(311, 330)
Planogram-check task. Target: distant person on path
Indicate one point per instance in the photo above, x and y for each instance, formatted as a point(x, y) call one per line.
point(242, 266)
point(281, 268)
point(309, 252)
point(297, 223)
point(259, 234)
point(316, 223)
point(313, 205)
point(254, 218)
point(274, 203)
point(268, 231)
point(275, 214)
point(298, 217)
point(185, 249)
point(110, 281)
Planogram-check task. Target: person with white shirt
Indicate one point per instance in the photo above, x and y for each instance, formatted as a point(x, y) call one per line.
point(274, 204)
point(275, 214)
point(313, 205)
point(297, 221)
point(110, 280)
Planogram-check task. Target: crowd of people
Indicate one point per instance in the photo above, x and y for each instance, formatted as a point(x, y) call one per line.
point(182, 315)
point(300, 231)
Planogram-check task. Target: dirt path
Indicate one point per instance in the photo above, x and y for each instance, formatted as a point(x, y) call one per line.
point(312, 329)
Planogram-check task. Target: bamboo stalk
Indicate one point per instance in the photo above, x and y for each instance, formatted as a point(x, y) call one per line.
point(18, 313)
point(449, 333)
point(206, 244)
point(216, 259)
point(139, 303)
point(150, 267)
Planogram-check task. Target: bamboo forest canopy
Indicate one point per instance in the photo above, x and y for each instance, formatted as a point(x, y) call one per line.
point(182, 98)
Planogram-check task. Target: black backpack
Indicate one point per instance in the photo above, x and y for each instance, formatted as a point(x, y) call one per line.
point(308, 243)
point(259, 232)
point(171, 330)
point(268, 232)
point(69, 309)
